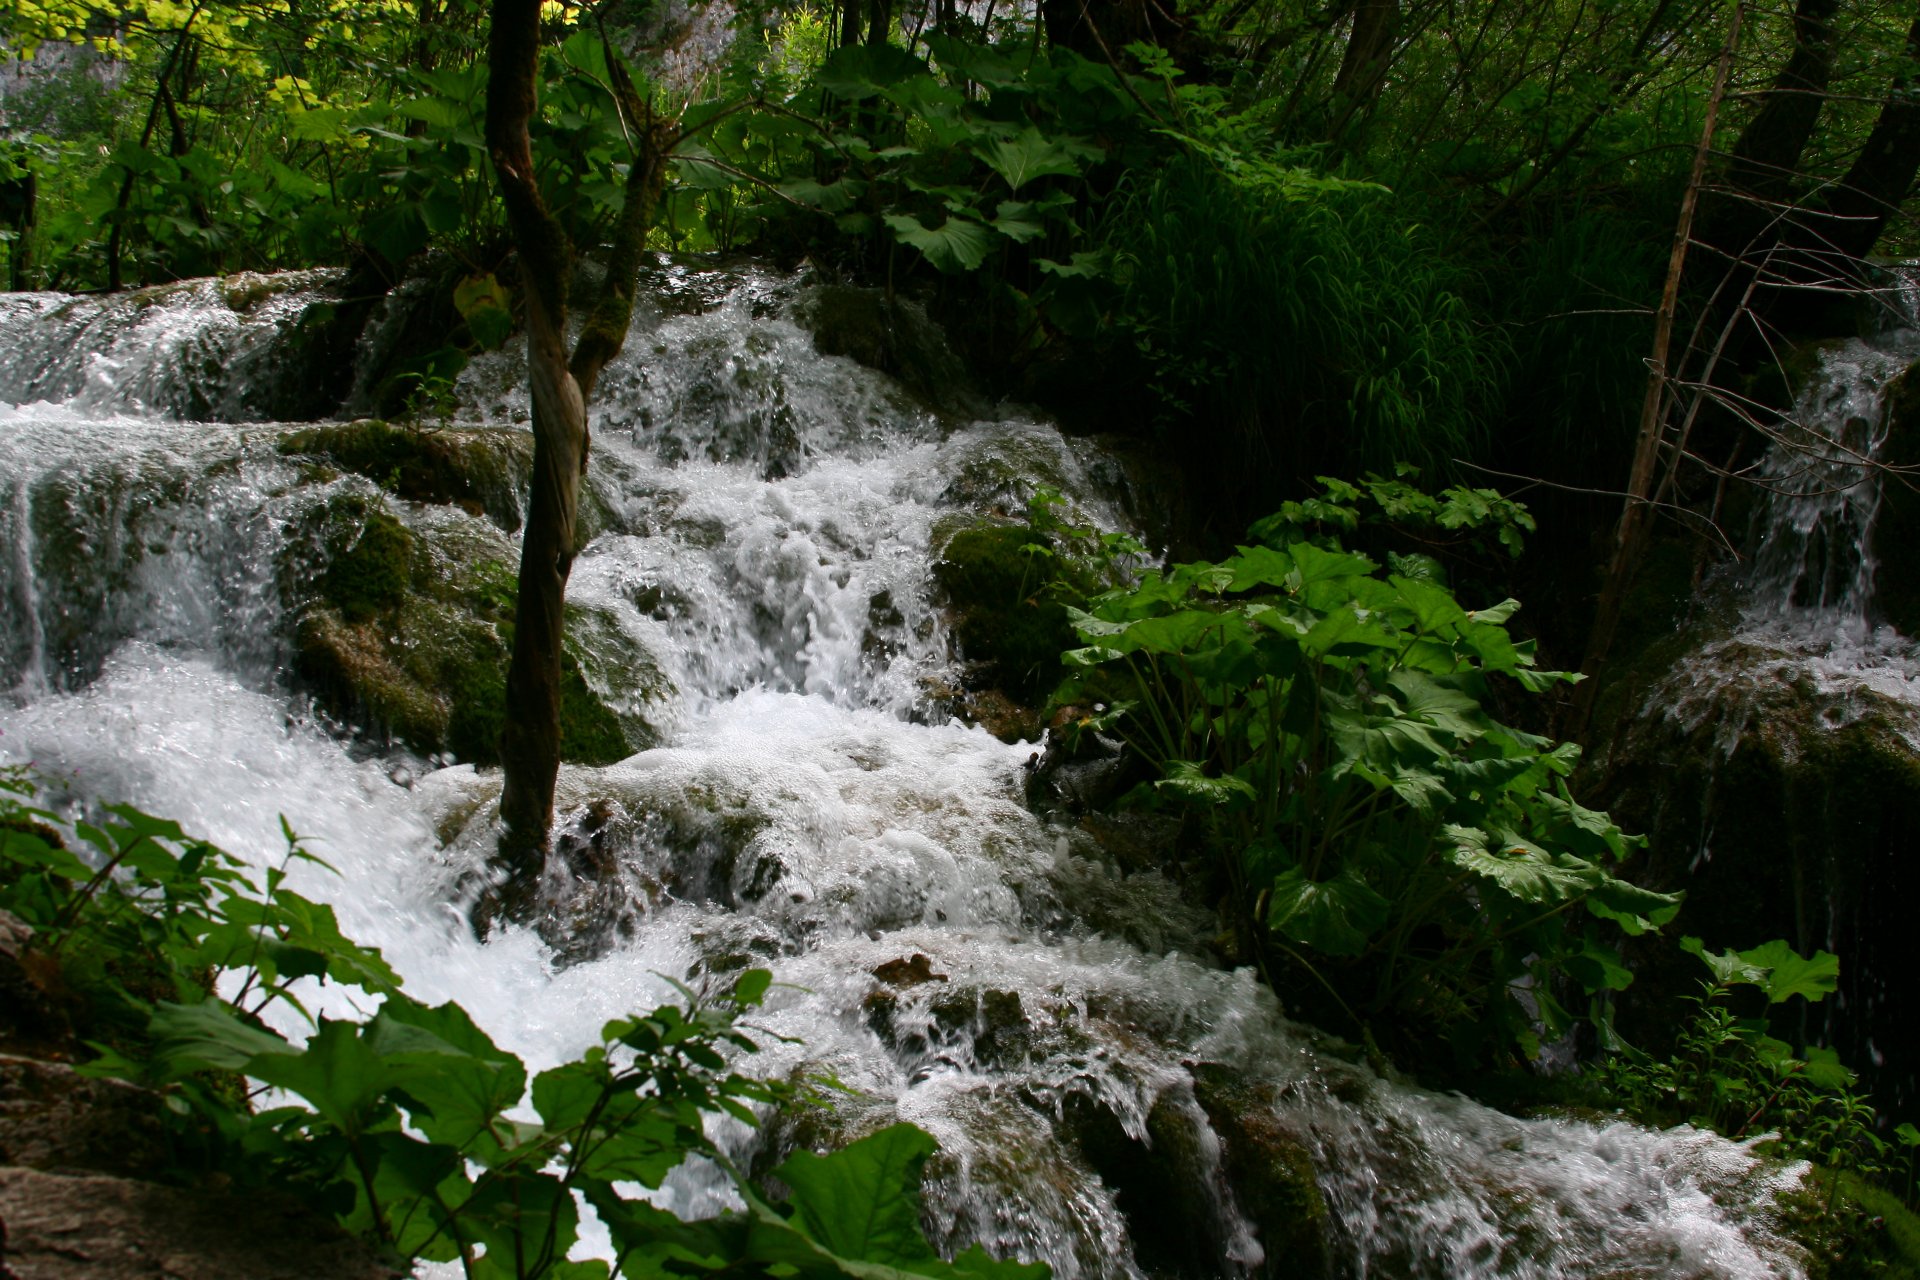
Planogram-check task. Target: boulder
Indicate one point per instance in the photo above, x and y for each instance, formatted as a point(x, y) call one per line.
point(481, 470)
point(405, 627)
point(53, 1118)
point(92, 1227)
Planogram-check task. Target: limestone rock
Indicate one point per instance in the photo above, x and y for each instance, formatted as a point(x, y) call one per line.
point(61, 1227)
point(53, 1118)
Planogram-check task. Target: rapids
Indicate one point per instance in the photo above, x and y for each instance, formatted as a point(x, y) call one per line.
point(770, 518)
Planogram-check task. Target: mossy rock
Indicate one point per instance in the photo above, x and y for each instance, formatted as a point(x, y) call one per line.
point(999, 582)
point(1270, 1170)
point(1850, 1227)
point(887, 333)
point(1785, 809)
point(407, 630)
point(481, 470)
point(1896, 594)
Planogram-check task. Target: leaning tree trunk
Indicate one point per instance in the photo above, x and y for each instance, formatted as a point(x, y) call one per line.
point(530, 742)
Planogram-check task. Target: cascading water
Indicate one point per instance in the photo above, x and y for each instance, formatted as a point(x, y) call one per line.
point(1106, 1099)
point(1774, 751)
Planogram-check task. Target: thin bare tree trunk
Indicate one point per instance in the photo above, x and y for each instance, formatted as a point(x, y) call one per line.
point(1630, 537)
point(530, 742)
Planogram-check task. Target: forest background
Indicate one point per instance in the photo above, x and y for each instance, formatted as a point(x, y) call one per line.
point(1565, 250)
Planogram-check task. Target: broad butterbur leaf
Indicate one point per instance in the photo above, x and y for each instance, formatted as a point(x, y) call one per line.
point(958, 244)
point(1789, 974)
point(1334, 916)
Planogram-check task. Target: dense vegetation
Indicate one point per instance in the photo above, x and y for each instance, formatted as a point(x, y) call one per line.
point(409, 1124)
point(1295, 238)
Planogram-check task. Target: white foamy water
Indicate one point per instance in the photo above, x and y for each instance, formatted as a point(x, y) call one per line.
point(770, 515)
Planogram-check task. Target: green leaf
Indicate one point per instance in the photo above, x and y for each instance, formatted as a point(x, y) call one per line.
point(209, 1037)
point(857, 72)
point(484, 303)
point(1520, 869)
point(958, 244)
point(1728, 968)
point(1790, 974)
point(1030, 155)
point(1334, 916)
point(863, 1201)
point(1189, 780)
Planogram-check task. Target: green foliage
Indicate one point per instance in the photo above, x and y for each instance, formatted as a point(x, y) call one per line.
point(1325, 724)
point(1299, 323)
point(1730, 1072)
point(410, 1125)
point(1341, 508)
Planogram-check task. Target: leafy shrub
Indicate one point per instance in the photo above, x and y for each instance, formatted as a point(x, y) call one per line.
point(410, 1125)
point(1303, 322)
point(1324, 724)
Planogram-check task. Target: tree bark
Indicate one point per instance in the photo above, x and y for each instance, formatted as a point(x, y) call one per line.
point(1881, 176)
point(1766, 157)
point(530, 741)
point(1630, 536)
point(1363, 68)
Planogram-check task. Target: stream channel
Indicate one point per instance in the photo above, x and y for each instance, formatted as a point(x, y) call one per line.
point(764, 622)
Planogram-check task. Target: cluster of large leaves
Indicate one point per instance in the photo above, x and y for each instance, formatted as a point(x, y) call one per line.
point(412, 1126)
point(1328, 721)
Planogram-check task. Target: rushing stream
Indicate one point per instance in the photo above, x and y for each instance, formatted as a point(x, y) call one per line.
point(1106, 1098)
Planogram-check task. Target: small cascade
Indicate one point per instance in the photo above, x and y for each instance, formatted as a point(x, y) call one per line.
point(1777, 763)
point(759, 588)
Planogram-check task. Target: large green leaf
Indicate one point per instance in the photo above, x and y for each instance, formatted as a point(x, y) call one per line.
point(1521, 869)
point(209, 1037)
point(958, 244)
point(863, 1201)
point(468, 1082)
point(1189, 780)
point(1335, 917)
point(1029, 155)
point(1790, 974)
point(859, 71)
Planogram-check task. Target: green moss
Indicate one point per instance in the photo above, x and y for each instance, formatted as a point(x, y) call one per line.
point(1850, 1228)
point(1269, 1168)
point(479, 470)
point(999, 582)
point(408, 632)
point(371, 573)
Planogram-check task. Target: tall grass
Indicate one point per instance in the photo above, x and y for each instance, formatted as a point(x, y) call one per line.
point(1293, 334)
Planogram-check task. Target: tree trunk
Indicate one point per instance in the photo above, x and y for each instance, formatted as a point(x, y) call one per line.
point(1630, 536)
point(1766, 157)
point(1882, 175)
point(1363, 68)
point(530, 742)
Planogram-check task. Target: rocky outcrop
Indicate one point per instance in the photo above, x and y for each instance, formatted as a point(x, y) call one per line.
point(93, 1227)
point(404, 627)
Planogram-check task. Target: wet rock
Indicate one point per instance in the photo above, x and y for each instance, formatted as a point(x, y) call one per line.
point(908, 972)
point(1169, 1185)
point(887, 333)
point(994, 579)
point(54, 1119)
point(61, 1227)
point(1783, 796)
point(1271, 1170)
point(481, 470)
point(405, 629)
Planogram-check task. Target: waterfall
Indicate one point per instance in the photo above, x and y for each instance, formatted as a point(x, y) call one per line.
point(1768, 759)
point(1106, 1098)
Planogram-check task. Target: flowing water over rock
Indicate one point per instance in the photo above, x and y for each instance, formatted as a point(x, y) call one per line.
point(1777, 762)
point(1107, 1098)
